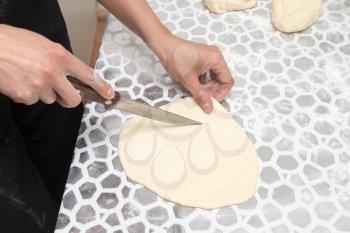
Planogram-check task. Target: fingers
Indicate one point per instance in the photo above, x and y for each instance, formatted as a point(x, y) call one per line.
point(48, 96)
point(25, 96)
point(199, 94)
point(212, 87)
point(86, 74)
point(67, 95)
point(222, 74)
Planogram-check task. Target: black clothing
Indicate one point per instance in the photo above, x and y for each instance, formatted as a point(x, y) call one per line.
point(36, 142)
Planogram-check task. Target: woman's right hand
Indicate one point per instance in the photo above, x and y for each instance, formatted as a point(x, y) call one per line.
point(33, 67)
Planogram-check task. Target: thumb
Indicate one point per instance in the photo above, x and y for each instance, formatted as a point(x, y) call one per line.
point(200, 95)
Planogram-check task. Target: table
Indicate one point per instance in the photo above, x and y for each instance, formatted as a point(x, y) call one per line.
point(292, 96)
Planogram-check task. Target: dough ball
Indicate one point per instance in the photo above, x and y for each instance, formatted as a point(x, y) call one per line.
point(222, 6)
point(294, 15)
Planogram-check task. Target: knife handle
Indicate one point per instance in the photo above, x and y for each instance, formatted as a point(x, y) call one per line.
point(88, 94)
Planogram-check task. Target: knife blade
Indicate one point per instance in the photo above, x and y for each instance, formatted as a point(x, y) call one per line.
point(131, 106)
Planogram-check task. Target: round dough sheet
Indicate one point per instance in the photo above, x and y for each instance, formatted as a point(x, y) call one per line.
point(207, 166)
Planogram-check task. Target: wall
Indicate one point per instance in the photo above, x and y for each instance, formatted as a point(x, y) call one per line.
point(81, 19)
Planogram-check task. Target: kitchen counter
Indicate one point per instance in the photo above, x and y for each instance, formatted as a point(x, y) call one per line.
point(292, 96)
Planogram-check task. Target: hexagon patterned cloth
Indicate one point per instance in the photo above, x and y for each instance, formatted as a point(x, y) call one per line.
point(292, 96)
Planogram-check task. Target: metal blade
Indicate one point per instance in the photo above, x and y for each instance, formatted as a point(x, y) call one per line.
point(144, 110)
point(131, 106)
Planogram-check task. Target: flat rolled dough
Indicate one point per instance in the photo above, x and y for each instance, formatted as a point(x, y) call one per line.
point(207, 166)
point(222, 6)
point(294, 15)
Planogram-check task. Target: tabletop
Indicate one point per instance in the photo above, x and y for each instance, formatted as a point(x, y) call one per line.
point(292, 97)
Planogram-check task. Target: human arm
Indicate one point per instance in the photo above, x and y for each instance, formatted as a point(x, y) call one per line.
point(32, 67)
point(184, 60)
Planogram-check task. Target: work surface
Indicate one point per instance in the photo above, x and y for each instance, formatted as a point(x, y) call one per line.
point(292, 96)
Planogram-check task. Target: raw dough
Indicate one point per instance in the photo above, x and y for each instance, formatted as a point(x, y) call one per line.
point(222, 6)
point(208, 166)
point(294, 15)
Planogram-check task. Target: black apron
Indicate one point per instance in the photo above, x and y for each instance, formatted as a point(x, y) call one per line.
point(36, 142)
point(41, 16)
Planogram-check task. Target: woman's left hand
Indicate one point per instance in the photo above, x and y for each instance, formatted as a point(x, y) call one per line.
point(187, 61)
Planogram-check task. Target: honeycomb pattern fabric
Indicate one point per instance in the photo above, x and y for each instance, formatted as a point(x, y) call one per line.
point(292, 96)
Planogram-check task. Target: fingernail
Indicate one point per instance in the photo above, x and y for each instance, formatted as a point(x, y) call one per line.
point(207, 108)
point(110, 92)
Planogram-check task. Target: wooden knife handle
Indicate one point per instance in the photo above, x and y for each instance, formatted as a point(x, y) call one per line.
point(88, 94)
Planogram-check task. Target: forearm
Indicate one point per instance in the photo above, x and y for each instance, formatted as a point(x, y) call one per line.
point(184, 60)
point(138, 17)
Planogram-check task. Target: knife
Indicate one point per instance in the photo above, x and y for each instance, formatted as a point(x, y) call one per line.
point(131, 106)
